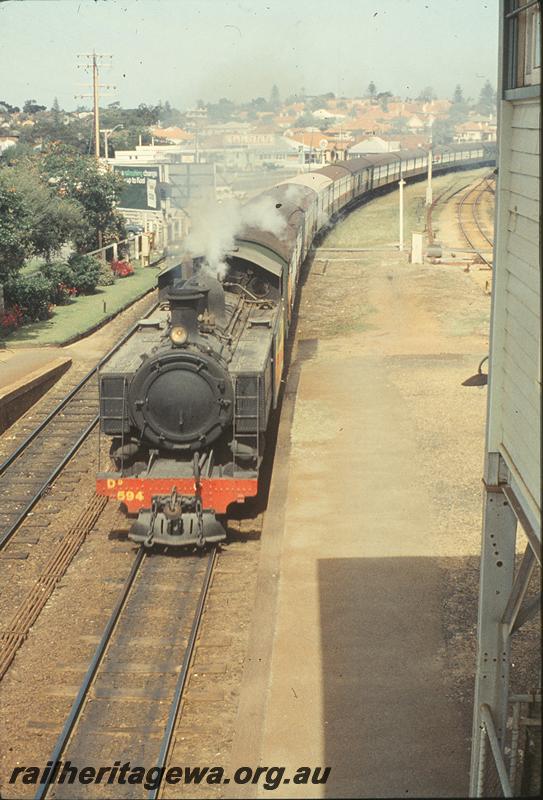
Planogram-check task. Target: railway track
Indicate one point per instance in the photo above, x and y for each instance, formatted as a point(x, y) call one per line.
point(141, 661)
point(488, 188)
point(444, 197)
point(471, 227)
point(28, 472)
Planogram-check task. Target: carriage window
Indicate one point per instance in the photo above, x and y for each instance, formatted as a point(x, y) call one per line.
point(522, 44)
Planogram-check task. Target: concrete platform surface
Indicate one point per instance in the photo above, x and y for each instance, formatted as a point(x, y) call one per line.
point(15, 364)
point(374, 513)
point(25, 377)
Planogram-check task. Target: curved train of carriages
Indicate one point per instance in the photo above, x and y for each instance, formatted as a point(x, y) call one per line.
point(187, 400)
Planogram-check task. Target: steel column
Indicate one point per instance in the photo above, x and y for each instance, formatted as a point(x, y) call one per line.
point(493, 644)
point(520, 588)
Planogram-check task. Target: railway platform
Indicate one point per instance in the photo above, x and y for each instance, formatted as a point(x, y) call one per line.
point(24, 377)
point(362, 647)
point(26, 374)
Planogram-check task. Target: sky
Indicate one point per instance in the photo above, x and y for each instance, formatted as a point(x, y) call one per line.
point(183, 50)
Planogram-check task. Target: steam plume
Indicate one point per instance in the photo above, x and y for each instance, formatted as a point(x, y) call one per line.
point(216, 225)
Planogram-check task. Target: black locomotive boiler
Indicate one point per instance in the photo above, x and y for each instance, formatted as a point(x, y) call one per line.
point(187, 401)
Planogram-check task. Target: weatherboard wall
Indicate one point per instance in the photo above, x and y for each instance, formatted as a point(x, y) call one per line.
point(515, 382)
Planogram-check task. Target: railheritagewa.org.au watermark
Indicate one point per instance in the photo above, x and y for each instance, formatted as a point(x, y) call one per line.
point(151, 778)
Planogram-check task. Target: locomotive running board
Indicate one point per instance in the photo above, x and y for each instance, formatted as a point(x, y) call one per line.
point(165, 531)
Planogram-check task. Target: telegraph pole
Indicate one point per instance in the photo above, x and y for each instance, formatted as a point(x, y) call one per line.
point(429, 197)
point(93, 61)
point(96, 107)
point(401, 184)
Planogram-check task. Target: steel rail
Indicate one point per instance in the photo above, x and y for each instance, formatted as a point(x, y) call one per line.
point(7, 533)
point(182, 679)
point(43, 424)
point(439, 199)
point(79, 702)
point(71, 394)
point(459, 209)
point(474, 210)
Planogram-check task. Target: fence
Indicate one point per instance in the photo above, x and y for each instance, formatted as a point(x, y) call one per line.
point(146, 246)
point(521, 776)
point(139, 245)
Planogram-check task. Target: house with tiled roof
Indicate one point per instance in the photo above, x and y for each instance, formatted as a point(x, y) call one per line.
point(416, 124)
point(369, 123)
point(375, 144)
point(474, 131)
point(172, 135)
point(8, 140)
point(310, 138)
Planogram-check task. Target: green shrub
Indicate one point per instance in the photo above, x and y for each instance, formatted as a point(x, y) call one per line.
point(62, 280)
point(107, 278)
point(86, 271)
point(31, 293)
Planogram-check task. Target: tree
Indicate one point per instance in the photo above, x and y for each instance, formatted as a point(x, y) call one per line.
point(487, 99)
point(31, 107)
point(127, 138)
point(443, 131)
point(51, 128)
point(9, 108)
point(458, 113)
point(55, 220)
point(383, 98)
point(56, 113)
point(458, 96)
point(79, 178)
point(398, 124)
point(372, 90)
point(275, 98)
point(33, 219)
point(148, 115)
point(17, 152)
point(427, 94)
point(15, 227)
point(225, 108)
point(307, 120)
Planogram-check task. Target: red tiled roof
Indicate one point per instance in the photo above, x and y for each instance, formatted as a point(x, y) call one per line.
point(171, 133)
point(309, 138)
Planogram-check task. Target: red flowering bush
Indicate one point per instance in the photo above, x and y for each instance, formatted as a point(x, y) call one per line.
point(62, 280)
point(12, 319)
point(71, 291)
point(31, 293)
point(122, 269)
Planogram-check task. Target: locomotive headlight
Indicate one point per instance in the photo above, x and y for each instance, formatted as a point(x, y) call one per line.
point(179, 335)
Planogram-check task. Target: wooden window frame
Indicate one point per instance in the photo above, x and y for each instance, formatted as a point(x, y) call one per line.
point(521, 52)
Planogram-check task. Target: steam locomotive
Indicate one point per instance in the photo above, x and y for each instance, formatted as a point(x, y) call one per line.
point(187, 400)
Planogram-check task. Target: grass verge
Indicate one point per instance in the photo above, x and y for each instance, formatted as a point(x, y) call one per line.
point(86, 312)
point(376, 223)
